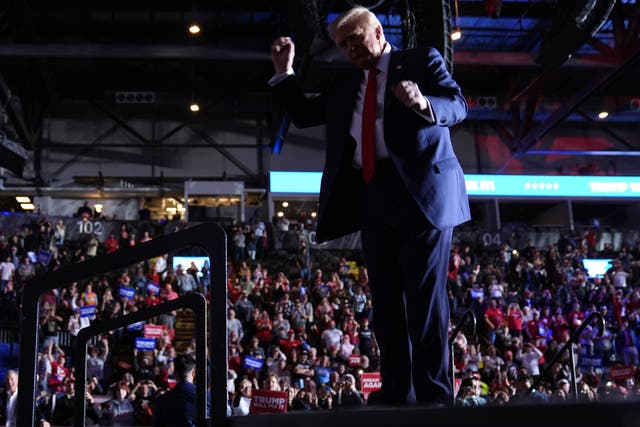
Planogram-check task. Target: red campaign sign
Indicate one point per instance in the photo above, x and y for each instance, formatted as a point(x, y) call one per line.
point(153, 331)
point(354, 360)
point(622, 372)
point(370, 382)
point(268, 401)
point(457, 382)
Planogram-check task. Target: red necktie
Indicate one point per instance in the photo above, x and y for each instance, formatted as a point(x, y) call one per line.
point(369, 127)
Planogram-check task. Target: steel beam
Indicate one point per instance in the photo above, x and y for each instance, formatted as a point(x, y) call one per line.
point(529, 140)
point(207, 53)
point(222, 150)
point(6, 100)
point(128, 51)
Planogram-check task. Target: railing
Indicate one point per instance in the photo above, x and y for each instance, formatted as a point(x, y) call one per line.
point(470, 315)
point(572, 359)
point(209, 236)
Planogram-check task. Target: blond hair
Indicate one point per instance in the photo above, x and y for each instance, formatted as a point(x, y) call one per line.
point(359, 13)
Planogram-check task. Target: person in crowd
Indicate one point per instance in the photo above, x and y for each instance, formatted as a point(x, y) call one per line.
point(9, 399)
point(64, 408)
point(347, 395)
point(241, 402)
point(233, 324)
point(177, 406)
point(6, 272)
point(119, 411)
point(529, 356)
point(470, 393)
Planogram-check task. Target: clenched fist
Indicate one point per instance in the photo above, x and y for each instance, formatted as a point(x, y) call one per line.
point(409, 94)
point(282, 53)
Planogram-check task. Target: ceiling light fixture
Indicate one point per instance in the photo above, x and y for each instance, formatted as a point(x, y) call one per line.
point(603, 115)
point(27, 206)
point(23, 199)
point(457, 33)
point(194, 29)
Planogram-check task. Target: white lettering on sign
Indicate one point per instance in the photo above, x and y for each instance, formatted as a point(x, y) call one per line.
point(608, 187)
point(371, 383)
point(471, 185)
point(488, 185)
point(269, 402)
point(635, 187)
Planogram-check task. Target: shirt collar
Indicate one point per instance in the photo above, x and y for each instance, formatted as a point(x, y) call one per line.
point(383, 61)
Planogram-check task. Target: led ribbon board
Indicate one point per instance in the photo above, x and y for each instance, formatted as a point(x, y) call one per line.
point(552, 186)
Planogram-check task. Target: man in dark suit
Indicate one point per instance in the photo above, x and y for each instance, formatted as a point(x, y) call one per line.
point(177, 407)
point(403, 188)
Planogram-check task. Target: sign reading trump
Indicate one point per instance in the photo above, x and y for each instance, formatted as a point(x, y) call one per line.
point(268, 401)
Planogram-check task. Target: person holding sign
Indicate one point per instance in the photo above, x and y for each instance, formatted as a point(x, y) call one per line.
point(392, 174)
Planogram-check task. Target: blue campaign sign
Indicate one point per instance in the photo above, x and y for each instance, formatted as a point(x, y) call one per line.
point(43, 256)
point(587, 362)
point(87, 310)
point(522, 186)
point(127, 292)
point(145, 344)
point(253, 363)
point(153, 288)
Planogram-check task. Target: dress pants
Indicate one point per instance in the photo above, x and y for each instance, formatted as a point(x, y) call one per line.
point(407, 262)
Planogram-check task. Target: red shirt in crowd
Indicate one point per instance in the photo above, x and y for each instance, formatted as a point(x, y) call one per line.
point(495, 316)
point(111, 244)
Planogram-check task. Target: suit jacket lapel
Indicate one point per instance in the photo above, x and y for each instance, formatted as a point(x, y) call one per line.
point(394, 75)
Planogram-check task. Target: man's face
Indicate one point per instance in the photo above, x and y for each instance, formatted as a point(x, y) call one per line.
point(362, 45)
point(12, 383)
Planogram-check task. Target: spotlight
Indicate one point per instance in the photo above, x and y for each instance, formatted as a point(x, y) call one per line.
point(98, 207)
point(285, 204)
point(456, 34)
point(194, 107)
point(27, 206)
point(603, 115)
point(280, 214)
point(313, 214)
point(194, 29)
point(23, 199)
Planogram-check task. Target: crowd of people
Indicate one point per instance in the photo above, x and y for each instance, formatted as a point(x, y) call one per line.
point(306, 329)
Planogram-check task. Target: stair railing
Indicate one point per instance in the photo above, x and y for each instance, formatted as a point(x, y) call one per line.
point(572, 358)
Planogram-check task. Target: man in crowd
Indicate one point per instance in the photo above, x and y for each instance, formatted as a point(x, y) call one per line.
point(177, 406)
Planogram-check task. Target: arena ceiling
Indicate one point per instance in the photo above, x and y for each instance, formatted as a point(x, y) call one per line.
point(136, 59)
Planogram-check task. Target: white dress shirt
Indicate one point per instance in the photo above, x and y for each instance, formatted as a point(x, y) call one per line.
point(12, 407)
point(356, 121)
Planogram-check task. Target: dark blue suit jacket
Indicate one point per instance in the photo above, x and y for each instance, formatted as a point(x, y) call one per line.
point(177, 407)
point(421, 151)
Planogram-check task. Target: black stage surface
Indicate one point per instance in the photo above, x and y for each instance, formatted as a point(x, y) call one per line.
point(598, 414)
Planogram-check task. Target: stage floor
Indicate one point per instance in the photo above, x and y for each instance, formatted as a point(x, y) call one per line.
point(599, 414)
